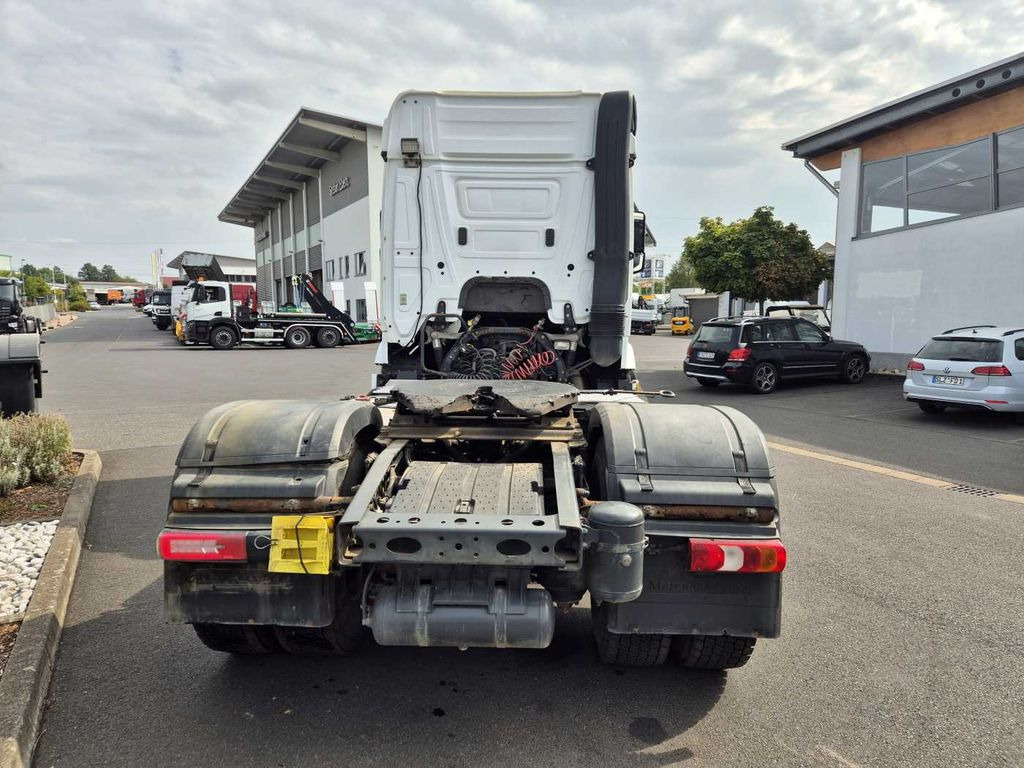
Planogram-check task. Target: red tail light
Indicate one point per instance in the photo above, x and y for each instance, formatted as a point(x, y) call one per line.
point(991, 370)
point(915, 365)
point(737, 556)
point(689, 352)
point(200, 545)
point(740, 353)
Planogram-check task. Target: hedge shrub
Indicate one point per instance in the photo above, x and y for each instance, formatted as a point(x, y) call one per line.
point(33, 448)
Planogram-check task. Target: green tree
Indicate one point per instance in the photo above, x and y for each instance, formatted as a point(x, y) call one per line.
point(681, 275)
point(36, 287)
point(107, 272)
point(89, 272)
point(756, 258)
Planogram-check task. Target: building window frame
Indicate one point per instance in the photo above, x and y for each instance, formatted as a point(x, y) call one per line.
point(360, 263)
point(992, 174)
point(329, 269)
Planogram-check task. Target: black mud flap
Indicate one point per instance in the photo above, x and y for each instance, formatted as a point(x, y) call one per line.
point(246, 594)
point(677, 602)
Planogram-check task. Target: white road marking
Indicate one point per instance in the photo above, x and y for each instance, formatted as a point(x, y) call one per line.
point(878, 469)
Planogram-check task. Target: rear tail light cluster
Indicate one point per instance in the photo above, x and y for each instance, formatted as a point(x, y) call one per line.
point(740, 353)
point(201, 545)
point(991, 370)
point(737, 555)
point(915, 365)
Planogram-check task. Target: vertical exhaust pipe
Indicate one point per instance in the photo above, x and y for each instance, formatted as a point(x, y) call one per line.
point(616, 120)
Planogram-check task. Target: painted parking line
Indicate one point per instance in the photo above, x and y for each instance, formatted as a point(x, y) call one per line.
point(878, 469)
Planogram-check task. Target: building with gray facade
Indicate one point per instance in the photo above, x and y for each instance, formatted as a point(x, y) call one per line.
point(313, 204)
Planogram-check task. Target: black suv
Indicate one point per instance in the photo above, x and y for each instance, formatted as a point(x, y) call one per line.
point(761, 351)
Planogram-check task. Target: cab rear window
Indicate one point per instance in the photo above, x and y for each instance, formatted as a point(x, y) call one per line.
point(717, 334)
point(968, 350)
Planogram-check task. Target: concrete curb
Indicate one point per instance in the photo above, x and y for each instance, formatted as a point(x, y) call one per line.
point(27, 676)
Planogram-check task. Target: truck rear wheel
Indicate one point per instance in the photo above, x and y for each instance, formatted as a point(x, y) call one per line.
point(237, 638)
point(223, 337)
point(712, 651)
point(297, 337)
point(328, 337)
point(634, 650)
point(17, 390)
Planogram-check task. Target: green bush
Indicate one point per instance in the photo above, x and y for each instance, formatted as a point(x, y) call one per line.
point(79, 305)
point(33, 447)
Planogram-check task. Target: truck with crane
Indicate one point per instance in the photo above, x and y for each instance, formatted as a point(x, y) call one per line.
point(505, 464)
point(223, 314)
point(21, 367)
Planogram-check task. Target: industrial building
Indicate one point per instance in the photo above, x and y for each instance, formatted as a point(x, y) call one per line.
point(930, 211)
point(313, 203)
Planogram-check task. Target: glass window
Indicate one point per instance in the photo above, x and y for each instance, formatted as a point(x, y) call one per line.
point(1010, 149)
point(882, 196)
point(1011, 188)
point(347, 267)
point(361, 263)
point(779, 331)
point(967, 350)
point(716, 334)
point(360, 310)
point(329, 268)
point(755, 333)
point(1018, 348)
point(954, 200)
point(949, 165)
point(808, 331)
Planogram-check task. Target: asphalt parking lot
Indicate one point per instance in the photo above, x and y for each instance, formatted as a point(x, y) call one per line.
point(902, 617)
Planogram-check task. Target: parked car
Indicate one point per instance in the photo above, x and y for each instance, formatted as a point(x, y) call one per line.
point(682, 326)
point(979, 366)
point(759, 352)
point(94, 305)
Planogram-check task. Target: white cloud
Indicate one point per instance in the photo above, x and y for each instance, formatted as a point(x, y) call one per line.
point(128, 126)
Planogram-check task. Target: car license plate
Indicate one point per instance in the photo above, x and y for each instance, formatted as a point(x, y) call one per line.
point(955, 380)
point(705, 355)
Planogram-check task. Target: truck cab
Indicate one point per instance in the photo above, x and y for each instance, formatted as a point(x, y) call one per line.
point(509, 250)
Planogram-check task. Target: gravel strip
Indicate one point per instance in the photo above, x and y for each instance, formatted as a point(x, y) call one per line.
point(22, 549)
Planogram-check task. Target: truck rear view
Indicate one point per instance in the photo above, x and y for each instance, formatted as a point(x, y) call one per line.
point(483, 485)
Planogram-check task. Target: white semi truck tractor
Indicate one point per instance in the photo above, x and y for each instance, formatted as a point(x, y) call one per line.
point(505, 464)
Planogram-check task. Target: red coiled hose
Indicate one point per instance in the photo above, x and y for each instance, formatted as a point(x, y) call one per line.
point(519, 365)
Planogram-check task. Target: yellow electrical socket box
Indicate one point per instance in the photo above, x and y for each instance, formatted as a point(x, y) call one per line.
point(301, 544)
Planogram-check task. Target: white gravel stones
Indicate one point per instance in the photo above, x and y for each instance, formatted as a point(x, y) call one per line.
point(22, 549)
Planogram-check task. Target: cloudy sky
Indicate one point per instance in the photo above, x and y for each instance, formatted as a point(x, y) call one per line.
point(127, 126)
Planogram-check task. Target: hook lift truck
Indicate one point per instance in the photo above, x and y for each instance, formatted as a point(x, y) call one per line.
point(21, 367)
point(223, 314)
point(505, 465)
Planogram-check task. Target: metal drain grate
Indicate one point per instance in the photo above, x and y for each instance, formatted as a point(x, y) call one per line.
point(972, 490)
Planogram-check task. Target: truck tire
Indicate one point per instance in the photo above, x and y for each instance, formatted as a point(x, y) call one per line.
point(237, 638)
point(328, 337)
point(17, 390)
point(627, 650)
point(712, 651)
point(162, 325)
point(297, 337)
point(223, 337)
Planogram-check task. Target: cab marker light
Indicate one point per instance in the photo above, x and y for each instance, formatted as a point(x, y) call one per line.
point(737, 555)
